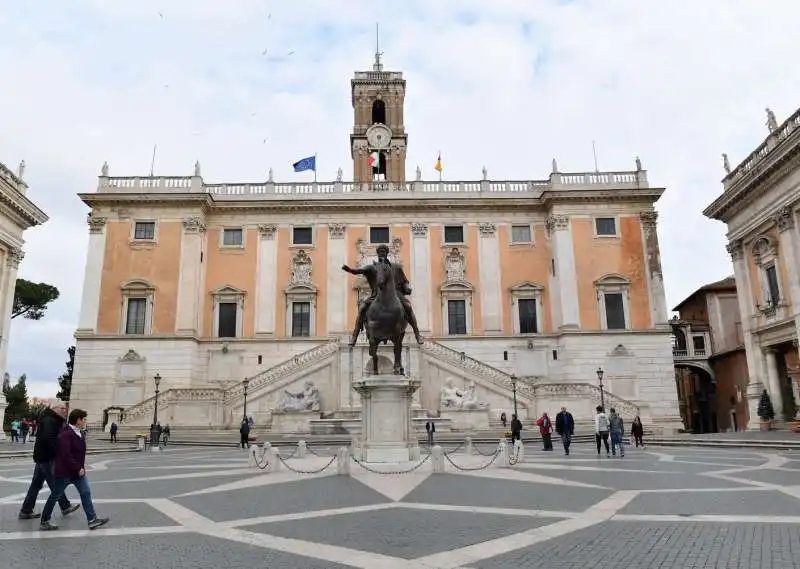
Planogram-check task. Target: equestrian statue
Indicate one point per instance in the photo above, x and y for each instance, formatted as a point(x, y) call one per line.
point(387, 311)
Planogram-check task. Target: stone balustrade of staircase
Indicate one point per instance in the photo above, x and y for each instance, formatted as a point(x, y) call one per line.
point(166, 397)
point(588, 391)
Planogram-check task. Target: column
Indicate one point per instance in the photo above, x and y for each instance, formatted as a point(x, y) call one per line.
point(14, 257)
point(489, 270)
point(561, 235)
point(93, 275)
point(266, 285)
point(754, 355)
point(190, 277)
point(655, 279)
point(790, 255)
point(421, 275)
point(336, 280)
point(775, 391)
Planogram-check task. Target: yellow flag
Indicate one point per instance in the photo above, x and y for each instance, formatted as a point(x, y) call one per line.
point(438, 166)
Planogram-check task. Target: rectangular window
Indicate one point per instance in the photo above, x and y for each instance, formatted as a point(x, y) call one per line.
point(232, 237)
point(379, 235)
point(521, 234)
point(456, 317)
point(527, 316)
point(136, 316)
point(302, 236)
point(145, 230)
point(605, 226)
point(454, 234)
point(615, 311)
point(773, 288)
point(226, 326)
point(699, 344)
point(301, 319)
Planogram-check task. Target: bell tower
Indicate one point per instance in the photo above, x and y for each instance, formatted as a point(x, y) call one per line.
point(378, 142)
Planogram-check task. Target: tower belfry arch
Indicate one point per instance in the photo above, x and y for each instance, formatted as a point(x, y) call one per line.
point(378, 141)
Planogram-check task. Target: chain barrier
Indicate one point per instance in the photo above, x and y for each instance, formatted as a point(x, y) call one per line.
point(294, 452)
point(258, 461)
point(299, 471)
point(455, 449)
point(315, 453)
point(480, 452)
point(474, 468)
point(512, 460)
point(374, 471)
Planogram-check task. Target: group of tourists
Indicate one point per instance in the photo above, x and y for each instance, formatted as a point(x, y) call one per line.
point(22, 430)
point(59, 456)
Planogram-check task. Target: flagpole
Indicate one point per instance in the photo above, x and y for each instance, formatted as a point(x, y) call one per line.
point(315, 167)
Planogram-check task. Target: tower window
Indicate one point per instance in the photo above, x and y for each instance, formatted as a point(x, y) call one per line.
point(378, 112)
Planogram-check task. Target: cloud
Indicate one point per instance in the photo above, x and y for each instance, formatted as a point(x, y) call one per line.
point(509, 84)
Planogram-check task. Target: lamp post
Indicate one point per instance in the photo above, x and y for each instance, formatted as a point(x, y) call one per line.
point(154, 434)
point(600, 373)
point(514, 392)
point(245, 383)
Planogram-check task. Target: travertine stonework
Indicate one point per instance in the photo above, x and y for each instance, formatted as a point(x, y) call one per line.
point(508, 277)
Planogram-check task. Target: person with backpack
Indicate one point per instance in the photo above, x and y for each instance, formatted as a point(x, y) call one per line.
point(244, 434)
point(617, 432)
point(545, 429)
point(601, 429)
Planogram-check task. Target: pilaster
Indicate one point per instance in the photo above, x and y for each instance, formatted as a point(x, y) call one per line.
point(421, 275)
point(93, 275)
point(190, 273)
point(489, 270)
point(266, 283)
point(560, 230)
point(336, 283)
point(775, 391)
point(655, 278)
point(790, 250)
point(14, 257)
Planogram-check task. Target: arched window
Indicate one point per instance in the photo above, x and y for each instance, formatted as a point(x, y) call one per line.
point(378, 112)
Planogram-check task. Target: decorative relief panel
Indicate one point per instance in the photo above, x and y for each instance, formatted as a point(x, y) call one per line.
point(267, 230)
point(784, 219)
point(301, 269)
point(763, 248)
point(96, 224)
point(367, 254)
point(194, 225)
point(649, 220)
point(419, 229)
point(735, 249)
point(455, 266)
point(14, 257)
point(487, 229)
point(336, 230)
point(556, 223)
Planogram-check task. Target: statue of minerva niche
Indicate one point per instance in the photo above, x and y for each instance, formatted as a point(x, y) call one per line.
point(306, 400)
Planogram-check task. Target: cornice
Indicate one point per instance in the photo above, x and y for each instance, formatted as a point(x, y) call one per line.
point(205, 200)
point(24, 209)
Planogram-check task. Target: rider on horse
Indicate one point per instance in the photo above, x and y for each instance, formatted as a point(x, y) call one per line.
point(403, 289)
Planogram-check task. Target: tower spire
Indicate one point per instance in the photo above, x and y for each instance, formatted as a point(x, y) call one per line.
point(377, 66)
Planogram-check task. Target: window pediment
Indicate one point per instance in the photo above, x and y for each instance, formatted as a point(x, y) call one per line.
point(228, 290)
point(457, 286)
point(137, 285)
point(612, 280)
point(763, 248)
point(300, 288)
point(526, 288)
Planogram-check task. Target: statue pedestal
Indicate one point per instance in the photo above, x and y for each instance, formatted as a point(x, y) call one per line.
point(3, 406)
point(114, 416)
point(293, 422)
point(387, 434)
point(467, 419)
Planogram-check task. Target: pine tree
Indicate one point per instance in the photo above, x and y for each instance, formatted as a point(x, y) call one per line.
point(765, 409)
point(65, 381)
point(17, 399)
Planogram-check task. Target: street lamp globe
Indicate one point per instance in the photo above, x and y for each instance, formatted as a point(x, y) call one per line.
point(600, 373)
point(157, 379)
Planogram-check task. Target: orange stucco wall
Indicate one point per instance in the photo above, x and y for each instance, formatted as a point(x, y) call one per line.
point(156, 263)
point(596, 257)
point(520, 263)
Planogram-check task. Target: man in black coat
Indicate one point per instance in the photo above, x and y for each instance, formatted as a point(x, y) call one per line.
point(44, 454)
point(565, 427)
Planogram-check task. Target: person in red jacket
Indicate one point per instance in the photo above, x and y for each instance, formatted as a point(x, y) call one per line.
point(70, 468)
point(546, 430)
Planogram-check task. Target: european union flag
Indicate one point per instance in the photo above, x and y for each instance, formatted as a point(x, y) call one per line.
point(304, 164)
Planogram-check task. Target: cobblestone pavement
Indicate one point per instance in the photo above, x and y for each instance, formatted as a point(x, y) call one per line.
point(190, 508)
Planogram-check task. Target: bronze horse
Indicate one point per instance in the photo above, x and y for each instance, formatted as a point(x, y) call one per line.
point(386, 318)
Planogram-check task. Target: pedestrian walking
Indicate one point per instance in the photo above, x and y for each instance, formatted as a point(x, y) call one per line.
point(113, 432)
point(601, 429)
point(165, 435)
point(617, 427)
point(503, 419)
point(430, 428)
point(15, 431)
point(565, 427)
point(516, 428)
point(45, 449)
point(24, 429)
point(244, 434)
point(637, 431)
point(545, 429)
point(70, 468)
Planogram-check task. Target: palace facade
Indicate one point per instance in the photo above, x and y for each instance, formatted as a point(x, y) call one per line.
point(521, 288)
point(760, 204)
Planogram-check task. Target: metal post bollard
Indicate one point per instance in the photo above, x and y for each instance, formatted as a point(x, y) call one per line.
point(468, 446)
point(343, 462)
point(502, 460)
point(301, 449)
point(437, 458)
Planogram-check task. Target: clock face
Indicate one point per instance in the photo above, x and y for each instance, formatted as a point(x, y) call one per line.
point(379, 136)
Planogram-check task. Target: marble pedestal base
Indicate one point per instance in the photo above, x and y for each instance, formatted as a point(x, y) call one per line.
point(293, 422)
point(467, 419)
point(386, 431)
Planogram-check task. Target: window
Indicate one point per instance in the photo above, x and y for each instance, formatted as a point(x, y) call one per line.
point(228, 305)
point(227, 320)
point(615, 311)
point(136, 316)
point(144, 230)
point(378, 112)
point(232, 237)
point(457, 317)
point(605, 226)
point(521, 234)
point(379, 235)
point(302, 236)
point(699, 343)
point(773, 288)
point(301, 319)
point(527, 316)
point(454, 234)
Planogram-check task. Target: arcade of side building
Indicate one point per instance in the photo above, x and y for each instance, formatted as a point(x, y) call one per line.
point(533, 284)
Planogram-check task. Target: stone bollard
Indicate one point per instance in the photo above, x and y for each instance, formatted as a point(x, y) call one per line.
point(502, 460)
point(437, 458)
point(273, 458)
point(519, 450)
point(414, 453)
point(343, 462)
point(355, 448)
point(253, 459)
point(301, 449)
point(468, 446)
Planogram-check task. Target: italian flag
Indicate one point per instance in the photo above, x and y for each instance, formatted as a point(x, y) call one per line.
point(374, 160)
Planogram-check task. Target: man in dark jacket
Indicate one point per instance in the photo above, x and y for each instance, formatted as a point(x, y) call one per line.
point(244, 434)
point(565, 427)
point(516, 429)
point(44, 454)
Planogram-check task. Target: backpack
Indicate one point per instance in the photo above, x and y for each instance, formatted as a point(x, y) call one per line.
point(616, 423)
point(602, 423)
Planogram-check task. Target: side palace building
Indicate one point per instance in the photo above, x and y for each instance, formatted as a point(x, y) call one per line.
point(524, 286)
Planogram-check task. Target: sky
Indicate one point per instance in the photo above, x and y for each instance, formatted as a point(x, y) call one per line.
point(248, 85)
